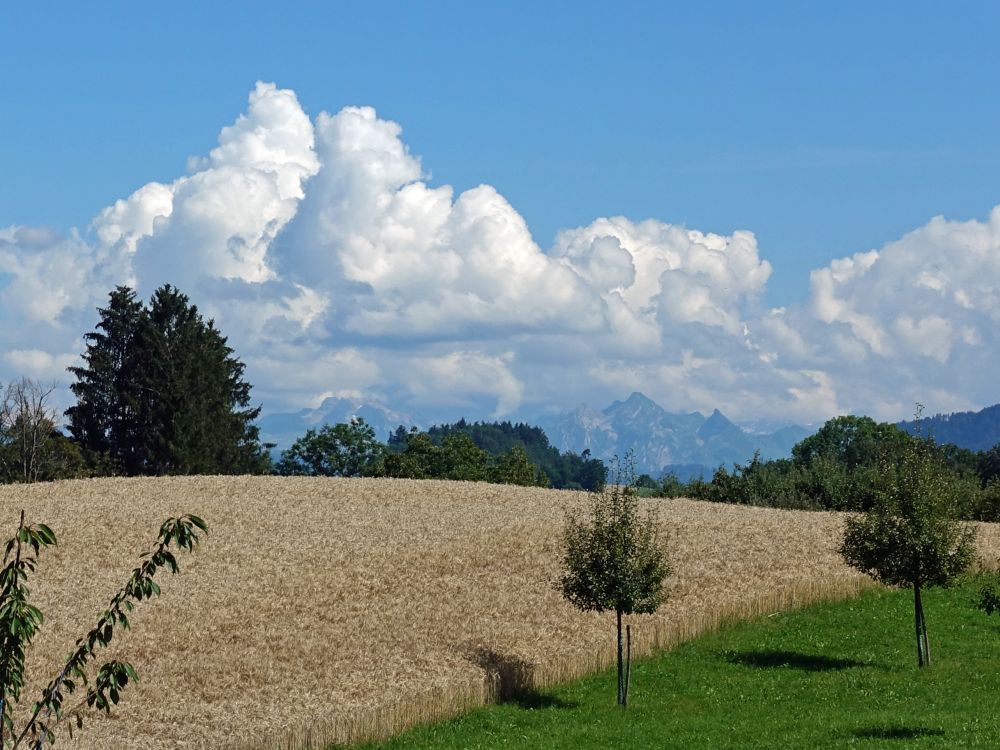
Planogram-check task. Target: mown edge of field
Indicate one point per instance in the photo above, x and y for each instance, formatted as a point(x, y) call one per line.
point(513, 677)
point(837, 674)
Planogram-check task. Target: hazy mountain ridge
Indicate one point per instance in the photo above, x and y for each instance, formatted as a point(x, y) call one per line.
point(659, 439)
point(690, 443)
point(284, 428)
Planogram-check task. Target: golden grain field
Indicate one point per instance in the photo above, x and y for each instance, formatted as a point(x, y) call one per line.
point(337, 609)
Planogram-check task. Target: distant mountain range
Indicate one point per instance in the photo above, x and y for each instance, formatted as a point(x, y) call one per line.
point(688, 444)
point(284, 429)
point(975, 430)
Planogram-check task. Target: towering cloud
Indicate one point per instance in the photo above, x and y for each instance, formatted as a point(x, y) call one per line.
point(336, 267)
point(220, 221)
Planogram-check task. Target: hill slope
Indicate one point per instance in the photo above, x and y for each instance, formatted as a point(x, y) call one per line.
point(319, 609)
point(975, 430)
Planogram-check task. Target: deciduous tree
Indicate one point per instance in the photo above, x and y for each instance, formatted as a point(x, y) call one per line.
point(850, 441)
point(342, 450)
point(911, 536)
point(613, 559)
point(514, 467)
point(31, 448)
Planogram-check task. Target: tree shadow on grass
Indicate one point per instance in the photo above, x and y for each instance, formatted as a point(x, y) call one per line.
point(896, 733)
point(531, 700)
point(791, 660)
point(514, 681)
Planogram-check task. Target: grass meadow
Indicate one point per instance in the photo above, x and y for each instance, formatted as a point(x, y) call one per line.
point(322, 611)
point(834, 675)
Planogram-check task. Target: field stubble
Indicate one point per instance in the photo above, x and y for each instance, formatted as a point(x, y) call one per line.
point(336, 610)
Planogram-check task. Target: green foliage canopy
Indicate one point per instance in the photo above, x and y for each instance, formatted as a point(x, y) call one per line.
point(612, 559)
point(841, 467)
point(455, 455)
point(514, 467)
point(341, 450)
point(560, 470)
point(850, 441)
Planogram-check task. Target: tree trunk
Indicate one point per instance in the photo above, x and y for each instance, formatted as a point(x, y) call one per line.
point(628, 662)
point(621, 671)
point(923, 632)
point(923, 658)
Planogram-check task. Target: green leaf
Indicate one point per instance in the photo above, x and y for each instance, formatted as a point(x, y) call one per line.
point(198, 522)
point(46, 534)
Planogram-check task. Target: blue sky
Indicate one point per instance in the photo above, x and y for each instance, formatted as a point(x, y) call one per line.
point(826, 130)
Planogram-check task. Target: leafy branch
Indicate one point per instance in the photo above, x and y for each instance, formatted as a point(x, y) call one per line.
point(19, 621)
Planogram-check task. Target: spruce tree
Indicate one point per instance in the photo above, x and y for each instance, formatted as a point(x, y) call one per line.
point(189, 408)
point(109, 415)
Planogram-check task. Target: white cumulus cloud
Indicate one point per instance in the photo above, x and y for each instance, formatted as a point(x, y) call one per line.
point(335, 265)
point(220, 221)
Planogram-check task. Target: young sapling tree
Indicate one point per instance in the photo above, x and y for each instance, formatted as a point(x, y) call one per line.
point(613, 560)
point(911, 536)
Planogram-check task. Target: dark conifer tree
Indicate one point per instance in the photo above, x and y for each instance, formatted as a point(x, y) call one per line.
point(192, 410)
point(109, 413)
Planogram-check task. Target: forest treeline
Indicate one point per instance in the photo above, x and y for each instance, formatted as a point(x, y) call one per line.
point(500, 452)
point(844, 466)
point(976, 430)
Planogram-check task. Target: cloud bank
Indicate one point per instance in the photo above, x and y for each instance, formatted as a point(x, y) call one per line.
point(335, 267)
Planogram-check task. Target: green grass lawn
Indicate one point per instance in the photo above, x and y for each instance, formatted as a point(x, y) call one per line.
point(834, 675)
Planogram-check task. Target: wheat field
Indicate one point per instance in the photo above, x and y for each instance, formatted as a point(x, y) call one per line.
point(321, 610)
